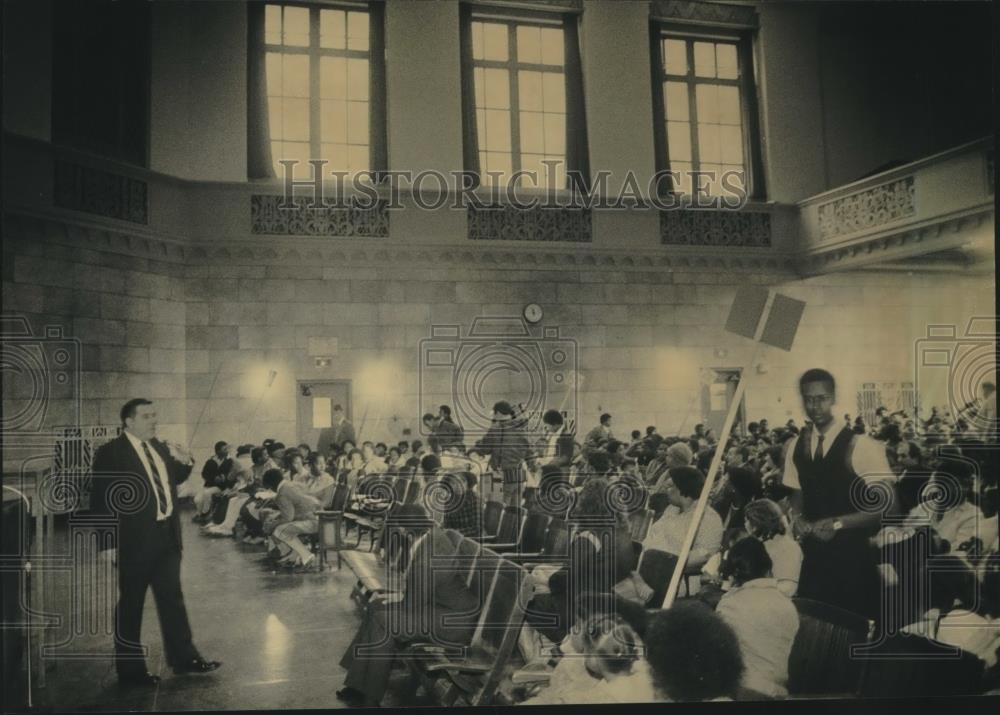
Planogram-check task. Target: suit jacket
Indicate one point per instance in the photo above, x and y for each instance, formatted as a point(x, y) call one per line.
point(436, 599)
point(294, 503)
point(212, 470)
point(506, 445)
point(336, 435)
point(123, 494)
point(445, 435)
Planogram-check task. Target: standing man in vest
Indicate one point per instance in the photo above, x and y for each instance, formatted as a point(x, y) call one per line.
point(135, 479)
point(823, 465)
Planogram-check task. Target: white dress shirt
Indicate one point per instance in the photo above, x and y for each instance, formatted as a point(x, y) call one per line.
point(667, 533)
point(868, 460)
point(161, 468)
point(765, 621)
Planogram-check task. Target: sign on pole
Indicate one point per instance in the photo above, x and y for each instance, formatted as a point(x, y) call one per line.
point(779, 329)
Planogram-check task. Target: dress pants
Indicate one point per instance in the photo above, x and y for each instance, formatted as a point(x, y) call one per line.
point(160, 570)
point(370, 656)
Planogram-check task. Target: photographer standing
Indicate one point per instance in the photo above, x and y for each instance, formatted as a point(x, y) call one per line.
point(507, 448)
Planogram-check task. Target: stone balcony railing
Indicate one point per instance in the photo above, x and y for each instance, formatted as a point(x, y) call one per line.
point(942, 203)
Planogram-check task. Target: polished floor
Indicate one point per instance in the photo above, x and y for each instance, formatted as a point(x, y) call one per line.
point(279, 636)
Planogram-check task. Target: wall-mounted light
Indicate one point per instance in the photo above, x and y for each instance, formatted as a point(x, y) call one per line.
point(721, 352)
point(323, 361)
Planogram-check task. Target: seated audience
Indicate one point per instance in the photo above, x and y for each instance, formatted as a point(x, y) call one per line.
point(315, 480)
point(213, 475)
point(693, 654)
point(464, 511)
point(764, 619)
point(296, 515)
point(765, 522)
point(448, 621)
point(600, 664)
point(683, 488)
point(973, 623)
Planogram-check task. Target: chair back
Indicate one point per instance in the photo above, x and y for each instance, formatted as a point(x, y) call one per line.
point(484, 570)
point(467, 556)
point(639, 523)
point(656, 568)
point(820, 662)
point(509, 528)
point(907, 665)
point(492, 511)
point(413, 491)
point(533, 532)
point(339, 501)
point(500, 624)
point(399, 488)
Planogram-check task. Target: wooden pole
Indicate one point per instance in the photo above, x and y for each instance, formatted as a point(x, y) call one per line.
point(706, 490)
point(699, 511)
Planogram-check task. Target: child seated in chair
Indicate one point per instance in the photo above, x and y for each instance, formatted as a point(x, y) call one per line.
point(600, 660)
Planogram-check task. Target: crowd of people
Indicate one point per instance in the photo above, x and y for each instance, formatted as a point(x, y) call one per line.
point(825, 512)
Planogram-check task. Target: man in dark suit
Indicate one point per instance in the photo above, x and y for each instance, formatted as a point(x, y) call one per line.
point(342, 430)
point(135, 485)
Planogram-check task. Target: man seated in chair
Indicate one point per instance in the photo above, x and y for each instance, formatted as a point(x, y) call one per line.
point(433, 593)
point(296, 516)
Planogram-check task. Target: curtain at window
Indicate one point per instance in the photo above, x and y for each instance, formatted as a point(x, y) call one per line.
point(378, 154)
point(470, 133)
point(577, 154)
point(259, 162)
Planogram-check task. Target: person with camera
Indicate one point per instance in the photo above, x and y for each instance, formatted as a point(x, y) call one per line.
point(508, 448)
point(135, 478)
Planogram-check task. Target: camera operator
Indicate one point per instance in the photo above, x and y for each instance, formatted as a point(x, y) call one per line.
point(507, 448)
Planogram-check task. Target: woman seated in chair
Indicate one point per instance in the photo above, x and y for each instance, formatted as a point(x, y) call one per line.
point(765, 619)
point(973, 623)
point(392, 621)
point(600, 555)
point(600, 661)
point(765, 522)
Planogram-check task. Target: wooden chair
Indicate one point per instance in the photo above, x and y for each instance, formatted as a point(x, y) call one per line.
point(907, 665)
point(372, 498)
point(473, 678)
point(330, 524)
point(821, 662)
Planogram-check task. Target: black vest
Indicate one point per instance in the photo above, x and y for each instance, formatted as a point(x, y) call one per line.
point(826, 485)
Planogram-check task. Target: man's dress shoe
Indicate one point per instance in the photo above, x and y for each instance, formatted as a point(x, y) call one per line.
point(196, 665)
point(145, 679)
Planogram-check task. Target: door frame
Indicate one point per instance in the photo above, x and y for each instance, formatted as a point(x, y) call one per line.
point(347, 382)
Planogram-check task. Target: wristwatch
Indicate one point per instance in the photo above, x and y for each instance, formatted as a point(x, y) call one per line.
point(838, 525)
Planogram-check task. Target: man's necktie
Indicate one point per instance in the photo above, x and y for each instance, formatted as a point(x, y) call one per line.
point(161, 496)
point(818, 455)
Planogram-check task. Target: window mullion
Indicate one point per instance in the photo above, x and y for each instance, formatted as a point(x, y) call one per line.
point(515, 116)
point(314, 86)
point(693, 107)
